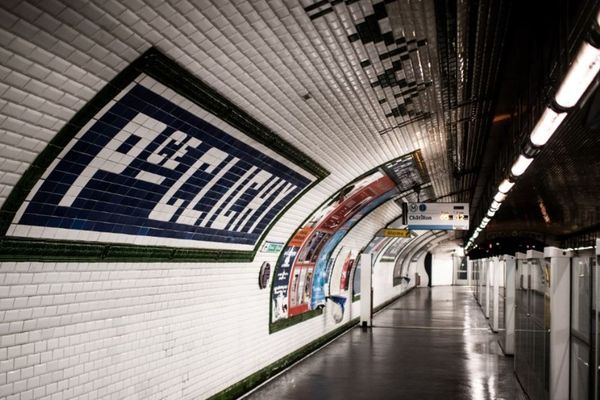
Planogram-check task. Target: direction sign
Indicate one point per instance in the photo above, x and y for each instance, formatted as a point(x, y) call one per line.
point(404, 233)
point(442, 216)
point(272, 247)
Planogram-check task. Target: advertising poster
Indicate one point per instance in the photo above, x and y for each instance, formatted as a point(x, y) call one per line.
point(393, 249)
point(322, 274)
point(280, 283)
point(356, 279)
point(376, 245)
point(329, 229)
point(304, 269)
point(346, 270)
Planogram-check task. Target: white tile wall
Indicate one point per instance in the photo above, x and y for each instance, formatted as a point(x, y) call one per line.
point(263, 55)
point(185, 330)
point(158, 330)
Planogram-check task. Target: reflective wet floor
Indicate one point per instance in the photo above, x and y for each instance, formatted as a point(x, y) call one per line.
point(430, 344)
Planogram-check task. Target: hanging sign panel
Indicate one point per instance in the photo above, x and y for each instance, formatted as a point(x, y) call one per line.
point(441, 216)
point(404, 233)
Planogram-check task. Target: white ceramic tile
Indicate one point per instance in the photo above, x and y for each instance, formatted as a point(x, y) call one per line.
point(264, 66)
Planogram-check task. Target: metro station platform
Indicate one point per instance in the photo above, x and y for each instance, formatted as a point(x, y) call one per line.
point(198, 196)
point(430, 344)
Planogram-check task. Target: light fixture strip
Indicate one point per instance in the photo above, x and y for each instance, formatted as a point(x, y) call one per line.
point(505, 186)
point(581, 73)
point(546, 126)
point(521, 165)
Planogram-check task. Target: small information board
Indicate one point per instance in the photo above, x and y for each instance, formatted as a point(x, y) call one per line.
point(439, 216)
point(272, 247)
point(403, 233)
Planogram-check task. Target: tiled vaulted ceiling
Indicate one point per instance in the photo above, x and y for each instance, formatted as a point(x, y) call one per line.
point(353, 84)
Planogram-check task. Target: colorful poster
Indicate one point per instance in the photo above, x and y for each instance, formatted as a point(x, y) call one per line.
point(376, 244)
point(356, 279)
point(309, 271)
point(322, 274)
point(280, 282)
point(393, 249)
point(346, 270)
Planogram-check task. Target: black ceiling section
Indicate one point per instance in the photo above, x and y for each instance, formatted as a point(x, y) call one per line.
point(470, 42)
point(557, 198)
point(560, 194)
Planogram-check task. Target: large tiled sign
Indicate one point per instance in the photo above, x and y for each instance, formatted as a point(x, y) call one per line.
point(155, 167)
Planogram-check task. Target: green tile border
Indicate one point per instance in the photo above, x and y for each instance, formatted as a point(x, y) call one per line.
point(252, 381)
point(17, 249)
point(163, 69)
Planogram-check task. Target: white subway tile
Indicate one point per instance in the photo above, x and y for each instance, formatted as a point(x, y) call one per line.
point(19, 386)
point(27, 395)
point(13, 376)
point(6, 390)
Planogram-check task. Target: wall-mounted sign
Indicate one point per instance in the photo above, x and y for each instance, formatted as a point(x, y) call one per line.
point(160, 164)
point(442, 216)
point(272, 247)
point(403, 233)
point(263, 275)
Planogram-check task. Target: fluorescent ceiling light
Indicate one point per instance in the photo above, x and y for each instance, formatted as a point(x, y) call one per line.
point(495, 205)
point(485, 219)
point(491, 212)
point(505, 186)
point(475, 234)
point(499, 197)
point(581, 73)
point(520, 165)
point(546, 126)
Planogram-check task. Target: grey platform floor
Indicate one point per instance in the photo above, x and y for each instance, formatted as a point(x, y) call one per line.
point(430, 344)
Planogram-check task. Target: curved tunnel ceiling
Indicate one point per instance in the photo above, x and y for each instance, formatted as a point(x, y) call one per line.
point(318, 81)
point(343, 86)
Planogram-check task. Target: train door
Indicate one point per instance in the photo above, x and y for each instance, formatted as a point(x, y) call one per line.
point(460, 270)
point(522, 284)
point(595, 325)
point(532, 346)
point(539, 324)
point(582, 267)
